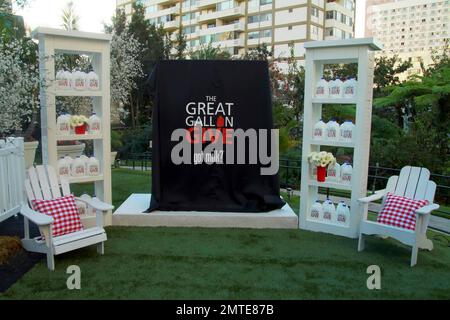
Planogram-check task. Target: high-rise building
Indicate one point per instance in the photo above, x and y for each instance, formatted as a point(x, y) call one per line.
point(240, 25)
point(410, 29)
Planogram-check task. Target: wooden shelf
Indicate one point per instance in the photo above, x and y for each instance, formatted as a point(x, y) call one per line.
point(331, 185)
point(78, 93)
point(333, 143)
point(85, 179)
point(334, 101)
point(79, 137)
point(98, 47)
point(328, 223)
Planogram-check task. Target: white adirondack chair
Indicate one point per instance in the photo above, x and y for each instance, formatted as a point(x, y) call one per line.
point(42, 183)
point(413, 183)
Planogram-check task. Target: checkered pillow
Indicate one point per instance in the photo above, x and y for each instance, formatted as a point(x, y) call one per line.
point(64, 213)
point(400, 211)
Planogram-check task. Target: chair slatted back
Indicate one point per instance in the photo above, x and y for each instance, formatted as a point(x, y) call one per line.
point(413, 183)
point(43, 184)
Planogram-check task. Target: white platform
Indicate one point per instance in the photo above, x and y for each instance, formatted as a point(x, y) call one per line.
point(131, 213)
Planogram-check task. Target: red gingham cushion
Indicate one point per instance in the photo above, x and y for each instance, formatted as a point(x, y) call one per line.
point(400, 211)
point(64, 213)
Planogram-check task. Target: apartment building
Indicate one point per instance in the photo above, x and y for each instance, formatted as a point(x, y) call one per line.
point(409, 28)
point(240, 25)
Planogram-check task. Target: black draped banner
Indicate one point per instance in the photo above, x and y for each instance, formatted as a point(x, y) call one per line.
point(213, 137)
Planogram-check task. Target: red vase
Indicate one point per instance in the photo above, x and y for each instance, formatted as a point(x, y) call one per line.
point(80, 129)
point(321, 174)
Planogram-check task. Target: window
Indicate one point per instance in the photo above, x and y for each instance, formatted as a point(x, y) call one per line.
point(151, 9)
point(260, 18)
point(267, 33)
point(260, 34)
point(189, 29)
point(331, 15)
point(315, 12)
point(253, 35)
point(225, 5)
point(349, 4)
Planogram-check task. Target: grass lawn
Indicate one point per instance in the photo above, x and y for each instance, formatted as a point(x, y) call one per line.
point(177, 263)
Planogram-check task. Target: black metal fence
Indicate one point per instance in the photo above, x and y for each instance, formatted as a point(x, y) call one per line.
point(290, 176)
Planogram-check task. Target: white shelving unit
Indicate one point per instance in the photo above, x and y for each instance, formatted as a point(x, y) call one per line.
point(318, 54)
point(97, 46)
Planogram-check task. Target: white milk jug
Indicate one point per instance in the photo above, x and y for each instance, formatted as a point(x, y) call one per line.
point(63, 167)
point(69, 160)
point(95, 124)
point(332, 132)
point(347, 131)
point(329, 211)
point(322, 89)
point(336, 87)
point(343, 213)
point(78, 168)
point(85, 160)
point(79, 80)
point(346, 173)
point(334, 172)
point(63, 80)
point(319, 130)
point(93, 167)
point(350, 88)
point(92, 81)
point(63, 124)
point(316, 211)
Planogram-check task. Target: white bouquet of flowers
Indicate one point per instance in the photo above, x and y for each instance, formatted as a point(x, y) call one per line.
point(321, 159)
point(78, 121)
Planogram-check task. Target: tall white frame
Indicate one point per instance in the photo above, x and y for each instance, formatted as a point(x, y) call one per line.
point(52, 41)
point(318, 54)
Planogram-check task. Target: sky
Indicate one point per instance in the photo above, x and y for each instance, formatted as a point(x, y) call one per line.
point(47, 13)
point(93, 13)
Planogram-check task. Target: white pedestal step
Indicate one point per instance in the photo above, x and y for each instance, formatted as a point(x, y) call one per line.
point(131, 213)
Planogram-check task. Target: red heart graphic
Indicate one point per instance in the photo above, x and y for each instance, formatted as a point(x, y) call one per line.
point(220, 122)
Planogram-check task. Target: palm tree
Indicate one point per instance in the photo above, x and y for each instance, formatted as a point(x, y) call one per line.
point(69, 17)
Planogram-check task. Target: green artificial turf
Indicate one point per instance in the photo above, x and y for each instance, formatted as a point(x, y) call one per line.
point(124, 181)
point(183, 263)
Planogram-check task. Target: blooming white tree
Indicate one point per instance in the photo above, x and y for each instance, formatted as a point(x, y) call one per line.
point(19, 84)
point(126, 68)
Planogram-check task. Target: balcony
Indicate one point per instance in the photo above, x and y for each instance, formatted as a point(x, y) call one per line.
point(340, 8)
point(259, 41)
point(172, 25)
point(260, 25)
point(259, 9)
point(172, 10)
point(226, 28)
point(229, 13)
point(228, 43)
point(161, 2)
point(203, 4)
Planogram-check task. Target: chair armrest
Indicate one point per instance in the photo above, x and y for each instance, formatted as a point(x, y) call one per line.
point(377, 196)
point(95, 203)
point(427, 209)
point(36, 217)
